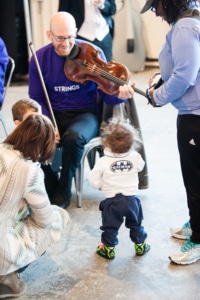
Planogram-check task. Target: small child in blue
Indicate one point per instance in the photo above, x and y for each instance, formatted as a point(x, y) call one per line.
point(116, 175)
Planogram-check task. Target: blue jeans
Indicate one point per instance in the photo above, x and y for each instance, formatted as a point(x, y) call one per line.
point(114, 210)
point(76, 128)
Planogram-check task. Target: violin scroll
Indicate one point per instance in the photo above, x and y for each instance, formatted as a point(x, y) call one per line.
point(74, 52)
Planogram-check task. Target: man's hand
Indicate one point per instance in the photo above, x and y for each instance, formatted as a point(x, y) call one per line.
point(126, 91)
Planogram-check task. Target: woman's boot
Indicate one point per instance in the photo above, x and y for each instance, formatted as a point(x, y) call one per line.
point(11, 285)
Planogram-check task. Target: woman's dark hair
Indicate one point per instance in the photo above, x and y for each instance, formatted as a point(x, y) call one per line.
point(174, 8)
point(34, 138)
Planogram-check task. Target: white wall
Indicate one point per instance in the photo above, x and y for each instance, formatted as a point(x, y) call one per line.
point(147, 30)
point(41, 12)
point(154, 32)
point(128, 27)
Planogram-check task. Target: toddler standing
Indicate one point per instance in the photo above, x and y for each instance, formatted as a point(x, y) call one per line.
point(116, 175)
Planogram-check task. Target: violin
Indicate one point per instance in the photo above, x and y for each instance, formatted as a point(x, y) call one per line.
point(84, 63)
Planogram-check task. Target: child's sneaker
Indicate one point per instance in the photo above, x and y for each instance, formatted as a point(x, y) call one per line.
point(141, 249)
point(105, 251)
point(189, 253)
point(182, 233)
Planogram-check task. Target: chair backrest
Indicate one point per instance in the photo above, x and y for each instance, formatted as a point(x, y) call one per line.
point(127, 111)
point(9, 73)
point(108, 112)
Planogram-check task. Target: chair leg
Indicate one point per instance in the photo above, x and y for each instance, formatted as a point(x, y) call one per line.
point(79, 182)
point(79, 175)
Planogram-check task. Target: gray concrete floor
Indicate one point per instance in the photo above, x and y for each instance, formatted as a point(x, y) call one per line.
point(71, 269)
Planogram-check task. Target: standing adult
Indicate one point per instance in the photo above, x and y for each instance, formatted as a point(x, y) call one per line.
point(29, 224)
point(75, 105)
point(94, 21)
point(179, 62)
point(3, 65)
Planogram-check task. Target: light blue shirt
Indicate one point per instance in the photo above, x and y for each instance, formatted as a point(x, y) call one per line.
point(179, 61)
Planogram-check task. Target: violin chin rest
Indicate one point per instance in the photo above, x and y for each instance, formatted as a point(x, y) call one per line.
point(74, 52)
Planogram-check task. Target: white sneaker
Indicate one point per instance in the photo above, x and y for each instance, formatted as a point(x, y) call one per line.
point(189, 253)
point(182, 233)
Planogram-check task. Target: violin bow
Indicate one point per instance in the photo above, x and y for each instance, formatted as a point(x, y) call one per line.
point(43, 86)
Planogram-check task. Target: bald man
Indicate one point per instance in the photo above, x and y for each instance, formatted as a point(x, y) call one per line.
point(74, 104)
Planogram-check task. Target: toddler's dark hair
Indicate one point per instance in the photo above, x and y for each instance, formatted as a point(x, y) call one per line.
point(120, 137)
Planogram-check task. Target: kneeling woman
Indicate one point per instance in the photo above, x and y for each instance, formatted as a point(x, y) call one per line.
point(29, 224)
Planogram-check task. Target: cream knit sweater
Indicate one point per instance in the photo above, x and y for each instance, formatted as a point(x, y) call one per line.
point(29, 224)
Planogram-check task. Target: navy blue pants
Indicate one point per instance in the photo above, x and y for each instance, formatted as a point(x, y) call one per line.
point(188, 136)
point(114, 210)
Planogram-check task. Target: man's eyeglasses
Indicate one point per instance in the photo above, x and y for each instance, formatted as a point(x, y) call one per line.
point(61, 39)
point(154, 6)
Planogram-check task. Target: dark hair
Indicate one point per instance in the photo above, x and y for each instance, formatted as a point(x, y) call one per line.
point(34, 138)
point(174, 8)
point(120, 137)
point(20, 107)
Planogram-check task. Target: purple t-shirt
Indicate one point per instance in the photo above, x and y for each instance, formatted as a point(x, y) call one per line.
point(63, 93)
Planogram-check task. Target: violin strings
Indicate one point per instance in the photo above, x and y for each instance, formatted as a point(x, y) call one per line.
point(107, 75)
